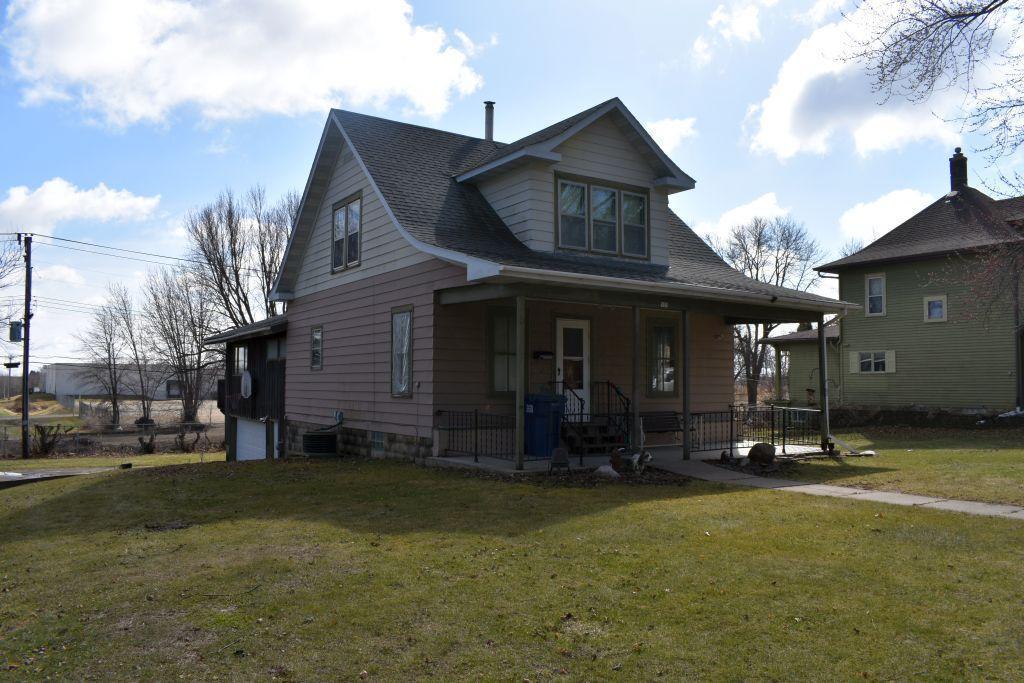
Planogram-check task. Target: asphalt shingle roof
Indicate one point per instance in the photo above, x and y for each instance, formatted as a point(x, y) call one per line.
point(831, 332)
point(414, 168)
point(959, 221)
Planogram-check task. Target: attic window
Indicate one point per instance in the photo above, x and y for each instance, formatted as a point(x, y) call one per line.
point(347, 224)
point(602, 218)
point(875, 288)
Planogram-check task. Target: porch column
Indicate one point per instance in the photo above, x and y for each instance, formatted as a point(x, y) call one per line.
point(520, 436)
point(778, 374)
point(637, 427)
point(823, 383)
point(685, 388)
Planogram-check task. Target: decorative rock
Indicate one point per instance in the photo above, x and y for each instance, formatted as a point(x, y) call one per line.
point(762, 454)
point(607, 471)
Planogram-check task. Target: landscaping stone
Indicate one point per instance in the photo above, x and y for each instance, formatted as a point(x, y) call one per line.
point(762, 454)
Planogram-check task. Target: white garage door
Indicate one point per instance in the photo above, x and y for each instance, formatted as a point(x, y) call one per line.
point(251, 440)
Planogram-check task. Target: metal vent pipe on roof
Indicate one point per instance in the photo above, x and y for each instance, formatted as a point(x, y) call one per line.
point(488, 120)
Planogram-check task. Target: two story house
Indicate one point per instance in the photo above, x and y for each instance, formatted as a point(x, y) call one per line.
point(928, 336)
point(436, 283)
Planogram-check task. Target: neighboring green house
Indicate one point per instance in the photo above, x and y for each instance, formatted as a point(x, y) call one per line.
point(927, 338)
point(800, 351)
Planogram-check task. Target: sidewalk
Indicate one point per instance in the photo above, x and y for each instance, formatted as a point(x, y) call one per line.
point(15, 478)
point(706, 472)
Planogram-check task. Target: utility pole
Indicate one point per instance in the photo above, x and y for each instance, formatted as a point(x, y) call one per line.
point(24, 359)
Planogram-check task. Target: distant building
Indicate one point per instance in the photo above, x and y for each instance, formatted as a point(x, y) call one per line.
point(72, 380)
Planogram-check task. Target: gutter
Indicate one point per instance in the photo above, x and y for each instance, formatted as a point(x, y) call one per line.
point(701, 291)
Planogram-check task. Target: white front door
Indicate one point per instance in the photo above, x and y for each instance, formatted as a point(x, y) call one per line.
point(572, 365)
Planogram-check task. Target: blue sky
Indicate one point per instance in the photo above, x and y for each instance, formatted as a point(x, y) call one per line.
point(117, 118)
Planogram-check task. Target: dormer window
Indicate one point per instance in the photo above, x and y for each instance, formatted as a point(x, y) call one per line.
point(602, 218)
point(347, 223)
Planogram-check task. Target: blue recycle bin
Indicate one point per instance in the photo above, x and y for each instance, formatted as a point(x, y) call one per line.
point(544, 414)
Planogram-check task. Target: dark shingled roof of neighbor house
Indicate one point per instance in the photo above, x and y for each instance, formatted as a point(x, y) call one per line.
point(963, 220)
point(831, 333)
point(414, 168)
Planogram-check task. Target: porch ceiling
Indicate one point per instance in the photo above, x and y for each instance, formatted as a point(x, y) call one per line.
point(734, 312)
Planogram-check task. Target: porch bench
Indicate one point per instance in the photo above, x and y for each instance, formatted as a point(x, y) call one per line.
point(662, 422)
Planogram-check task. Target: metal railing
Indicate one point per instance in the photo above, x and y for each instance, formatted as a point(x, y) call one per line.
point(476, 433)
point(744, 425)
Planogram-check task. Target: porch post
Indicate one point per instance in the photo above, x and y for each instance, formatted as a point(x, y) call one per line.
point(520, 436)
point(687, 420)
point(778, 374)
point(634, 398)
point(823, 384)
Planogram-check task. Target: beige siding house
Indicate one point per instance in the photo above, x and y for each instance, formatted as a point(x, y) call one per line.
point(438, 284)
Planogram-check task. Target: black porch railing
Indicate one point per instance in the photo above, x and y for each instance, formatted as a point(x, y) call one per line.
point(476, 433)
point(744, 425)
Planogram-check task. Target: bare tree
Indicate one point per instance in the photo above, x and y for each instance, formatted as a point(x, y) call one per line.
point(105, 363)
point(179, 315)
point(914, 48)
point(237, 247)
point(852, 246)
point(144, 374)
point(776, 251)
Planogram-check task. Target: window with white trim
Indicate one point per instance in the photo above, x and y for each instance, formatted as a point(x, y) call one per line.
point(874, 288)
point(872, 361)
point(604, 219)
point(935, 308)
point(634, 224)
point(241, 360)
point(572, 215)
point(347, 225)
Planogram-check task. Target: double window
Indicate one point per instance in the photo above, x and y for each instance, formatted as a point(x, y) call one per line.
point(874, 286)
point(347, 227)
point(602, 219)
point(401, 351)
point(316, 348)
point(661, 358)
point(873, 362)
point(502, 331)
point(240, 360)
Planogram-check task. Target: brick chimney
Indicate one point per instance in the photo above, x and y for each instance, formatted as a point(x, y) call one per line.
point(957, 171)
point(488, 120)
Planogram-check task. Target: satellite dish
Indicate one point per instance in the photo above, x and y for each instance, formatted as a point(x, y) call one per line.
point(246, 388)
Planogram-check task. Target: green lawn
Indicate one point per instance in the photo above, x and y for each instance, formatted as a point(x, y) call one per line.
point(19, 465)
point(986, 465)
point(323, 570)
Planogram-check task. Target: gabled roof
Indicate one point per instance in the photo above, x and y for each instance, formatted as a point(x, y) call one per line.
point(831, 334)
point(413, 168)
point(542, 145)
point(962, 220)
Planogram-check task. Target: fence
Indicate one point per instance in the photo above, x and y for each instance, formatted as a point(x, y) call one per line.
point(472, 432)
point(743, 426)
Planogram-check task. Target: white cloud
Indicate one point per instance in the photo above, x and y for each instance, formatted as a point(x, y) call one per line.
point(57, 200)
point(701, 51)
point(819, 93)
point(867, 221)
point(765, 206)
point(820, 11)
point(138, 61)
point(741, 22)
point(669, 133)
point(59, 273)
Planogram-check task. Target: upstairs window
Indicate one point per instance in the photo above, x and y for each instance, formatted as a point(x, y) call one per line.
point(347, 226)
point(935, 309)
point(601, 218)
point(241, 360)
point(874, 285)
point(572, 215)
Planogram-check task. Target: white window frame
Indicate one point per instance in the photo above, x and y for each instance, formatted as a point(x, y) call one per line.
point(873, 358)
point(867, 295)
point(617, 220)
point(646, 224)
point(586, 215)
point(240, 353)
point(945, 308)
point(342, 207)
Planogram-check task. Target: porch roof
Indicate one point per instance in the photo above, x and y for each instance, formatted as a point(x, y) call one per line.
point(260, 328)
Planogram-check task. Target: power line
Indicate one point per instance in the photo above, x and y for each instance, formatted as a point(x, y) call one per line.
point(124, 250)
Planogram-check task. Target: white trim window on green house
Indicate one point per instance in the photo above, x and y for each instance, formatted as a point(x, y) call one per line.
point(954, 352)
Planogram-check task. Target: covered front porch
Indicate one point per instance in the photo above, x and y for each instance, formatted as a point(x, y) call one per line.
point(630, 369)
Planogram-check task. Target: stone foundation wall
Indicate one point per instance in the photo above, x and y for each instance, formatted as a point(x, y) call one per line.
point(359, 442)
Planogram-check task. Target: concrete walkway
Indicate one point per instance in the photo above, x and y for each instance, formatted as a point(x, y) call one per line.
point(701, 470)
point(27, 476)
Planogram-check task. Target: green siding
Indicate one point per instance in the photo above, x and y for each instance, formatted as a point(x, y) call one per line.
point(803, 372)
point(965, 363)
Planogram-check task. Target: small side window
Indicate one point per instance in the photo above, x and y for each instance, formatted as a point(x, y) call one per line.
point(401, 352)
point(935, 308)
point(240, 360)
point(874, 286)
point(316, 348)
